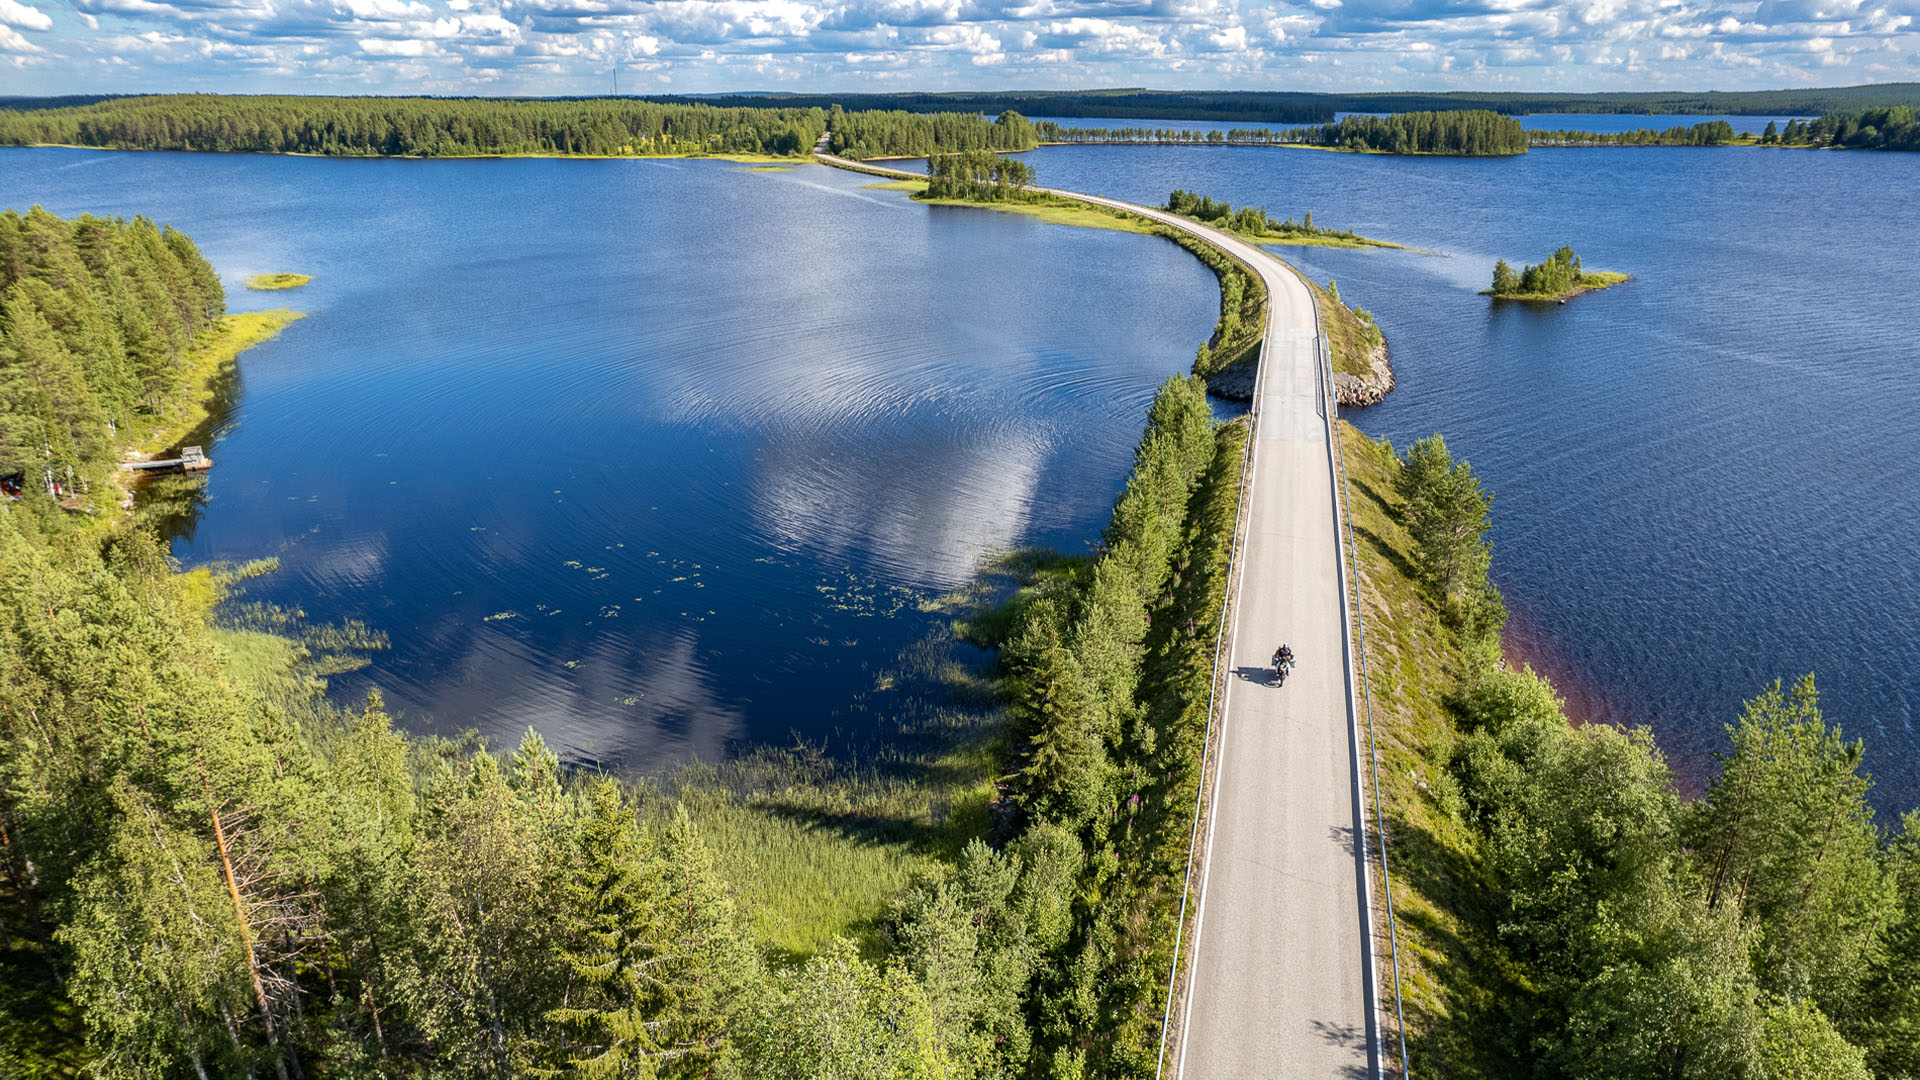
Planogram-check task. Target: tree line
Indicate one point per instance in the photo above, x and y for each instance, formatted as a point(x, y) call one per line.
point(978, 176)
point(415, 127)
point(1709, 133)
point(1769, 928)
point(1251, 221)
point(96, 318)
point(861, 135)
point(1461, 133)
point(1872, 129)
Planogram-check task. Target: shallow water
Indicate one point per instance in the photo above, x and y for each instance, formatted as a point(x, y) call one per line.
point(1705, 477)
point(654, 456)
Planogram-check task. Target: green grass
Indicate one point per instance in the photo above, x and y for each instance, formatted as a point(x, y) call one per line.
point(273, 282)
point(816, 848)
point(216, 351)
point(1453, 974)
point(1349, 337)
point(1047, 208)
point(1589, 281)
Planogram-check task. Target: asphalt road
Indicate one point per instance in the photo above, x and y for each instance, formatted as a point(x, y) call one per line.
point(1281, 977)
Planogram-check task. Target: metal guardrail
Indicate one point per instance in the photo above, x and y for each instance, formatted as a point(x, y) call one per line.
point(1373, 749)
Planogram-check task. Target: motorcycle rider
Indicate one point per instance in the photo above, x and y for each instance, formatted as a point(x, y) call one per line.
point(1282, 659)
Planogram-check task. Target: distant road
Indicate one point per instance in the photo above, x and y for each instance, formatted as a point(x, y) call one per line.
point(1282, 975)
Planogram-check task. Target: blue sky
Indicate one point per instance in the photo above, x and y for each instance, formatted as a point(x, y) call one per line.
point(695, 46)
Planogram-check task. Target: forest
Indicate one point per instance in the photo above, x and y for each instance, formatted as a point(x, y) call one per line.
point(96, 319)
point(861, 135)
point(1710, 133)
point(1294, 107)
point(979, 176)
point(1474, 133)
point(415, 127)
point(1874, 129)
point(1568, 912)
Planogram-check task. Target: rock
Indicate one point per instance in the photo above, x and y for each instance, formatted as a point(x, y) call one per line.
point(1235, 383)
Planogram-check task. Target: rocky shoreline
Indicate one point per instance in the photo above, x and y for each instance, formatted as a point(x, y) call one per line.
point(1235, 383)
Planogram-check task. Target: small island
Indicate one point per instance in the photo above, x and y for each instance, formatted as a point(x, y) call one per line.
point(275, 282)
point(1556, 279)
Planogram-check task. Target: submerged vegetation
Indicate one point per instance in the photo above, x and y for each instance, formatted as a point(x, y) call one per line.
point(1563, 912)
point(1559, 277)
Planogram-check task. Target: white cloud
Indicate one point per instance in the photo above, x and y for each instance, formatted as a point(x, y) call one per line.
point(24, 16)
point(569, 46)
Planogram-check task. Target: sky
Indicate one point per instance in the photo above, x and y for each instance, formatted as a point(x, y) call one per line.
point(540, 47)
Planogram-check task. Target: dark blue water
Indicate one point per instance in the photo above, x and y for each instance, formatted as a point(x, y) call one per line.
point(1706, 477)
point(652, 456)
point(1598, 122)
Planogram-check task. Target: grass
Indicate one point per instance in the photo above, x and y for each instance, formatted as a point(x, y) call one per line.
point(817, 848)
point(1589, 281)
point(1453, 975)
point(274, 282)
point(1350, 337)
point(1047, 208)
point(217, 350)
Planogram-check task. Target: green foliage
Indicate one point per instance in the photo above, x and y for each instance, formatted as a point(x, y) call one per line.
point(1798, 1043)
point(876, 134)
point(96, 319)
point(1251, 221)
point(1709, 133)
point(415, 127)
point(1561, 275)
point(1892, 128)
point(1459, 133)
point(978, 176)
point(1786, 837)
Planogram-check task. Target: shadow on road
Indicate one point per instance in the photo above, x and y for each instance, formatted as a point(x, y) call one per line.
point(1262, 675)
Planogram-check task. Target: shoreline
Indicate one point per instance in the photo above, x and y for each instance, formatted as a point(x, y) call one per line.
point(737, 158)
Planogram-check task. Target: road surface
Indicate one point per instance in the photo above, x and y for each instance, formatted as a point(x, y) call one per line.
point(1282, 981)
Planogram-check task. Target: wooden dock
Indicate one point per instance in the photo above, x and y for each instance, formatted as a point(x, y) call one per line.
point(191, 459)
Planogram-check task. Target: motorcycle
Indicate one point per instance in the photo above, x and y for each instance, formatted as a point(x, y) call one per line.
point(1281, 665)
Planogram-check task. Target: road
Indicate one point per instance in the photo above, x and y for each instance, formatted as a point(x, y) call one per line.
point(1282, 974)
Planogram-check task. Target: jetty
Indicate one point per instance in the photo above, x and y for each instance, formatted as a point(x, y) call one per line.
point(191, 459)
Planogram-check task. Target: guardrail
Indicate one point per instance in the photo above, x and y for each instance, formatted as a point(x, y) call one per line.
point(1373, 749)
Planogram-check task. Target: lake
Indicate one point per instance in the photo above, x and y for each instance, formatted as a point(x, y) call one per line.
point(1705, 477)
point(664, 457)
point(658, 457)
point(1596, 122)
